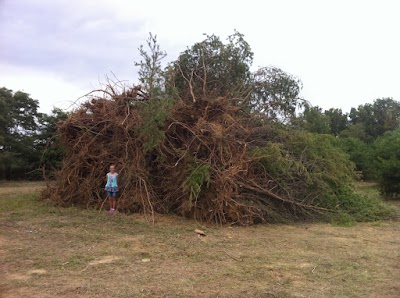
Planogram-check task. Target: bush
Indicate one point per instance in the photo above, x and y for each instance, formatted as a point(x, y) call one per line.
point(388, 158)
point(351, 206)
point(318, 164)
point(362, 155)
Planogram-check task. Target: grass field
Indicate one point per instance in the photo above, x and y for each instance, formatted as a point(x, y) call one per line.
point(70, 252)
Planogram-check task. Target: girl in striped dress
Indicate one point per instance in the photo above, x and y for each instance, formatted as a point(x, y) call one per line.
point(112, 188)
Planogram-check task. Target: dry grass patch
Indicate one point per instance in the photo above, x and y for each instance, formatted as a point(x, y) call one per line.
point(70, 252)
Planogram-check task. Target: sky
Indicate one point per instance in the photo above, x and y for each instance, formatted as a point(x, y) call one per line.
point(346, 53)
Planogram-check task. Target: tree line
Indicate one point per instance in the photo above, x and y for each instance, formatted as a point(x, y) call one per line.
point(369, 134)
point(27, 137)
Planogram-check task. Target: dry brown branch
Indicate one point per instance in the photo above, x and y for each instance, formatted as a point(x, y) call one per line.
point(189, 81)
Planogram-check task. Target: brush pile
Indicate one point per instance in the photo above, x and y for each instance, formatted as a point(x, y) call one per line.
point(205, 159)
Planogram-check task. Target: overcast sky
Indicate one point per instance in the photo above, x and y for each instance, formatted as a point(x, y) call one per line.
point(345, 52)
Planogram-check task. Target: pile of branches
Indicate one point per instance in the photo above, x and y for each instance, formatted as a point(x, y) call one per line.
point(207, 162)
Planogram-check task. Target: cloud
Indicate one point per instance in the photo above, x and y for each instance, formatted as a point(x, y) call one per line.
point(346, 52)
point(51, 90)
point(60, 50)
point(57, 37)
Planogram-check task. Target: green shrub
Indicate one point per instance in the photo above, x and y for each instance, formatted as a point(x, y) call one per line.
point(388, 158)
point(153, 114)
point(362, 155)
point(319, 168)
point(351, 206)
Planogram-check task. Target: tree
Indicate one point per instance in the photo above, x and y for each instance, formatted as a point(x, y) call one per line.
point(377, 118)
point(275, 92)
point(47, 142)
point(356, 131)
point(153, 111)
point(338, 121)
point(388, 157)
point(150, 73)
point(363, 155)
point(27, 138)
point(18, 118)
point(213, 67)
point(314, 120)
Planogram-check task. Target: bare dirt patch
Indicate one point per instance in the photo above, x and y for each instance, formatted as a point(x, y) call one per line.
point(104, 260)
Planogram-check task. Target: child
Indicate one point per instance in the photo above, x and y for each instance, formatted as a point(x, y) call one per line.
point(112, 188)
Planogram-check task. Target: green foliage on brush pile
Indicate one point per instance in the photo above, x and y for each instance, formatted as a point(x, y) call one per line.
point(153, 113)
point(198, 177)
point(314, 161)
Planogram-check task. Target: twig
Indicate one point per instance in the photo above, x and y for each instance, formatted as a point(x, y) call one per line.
point(189, 82)
point(102, 204)
point(205, 73)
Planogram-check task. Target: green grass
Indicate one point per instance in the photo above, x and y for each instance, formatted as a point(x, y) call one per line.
point(71, 252)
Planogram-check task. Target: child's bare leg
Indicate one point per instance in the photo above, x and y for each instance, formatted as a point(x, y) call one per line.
point(110, 201)
point(114, 203)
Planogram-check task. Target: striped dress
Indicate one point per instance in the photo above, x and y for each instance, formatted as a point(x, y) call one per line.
point(112, 184)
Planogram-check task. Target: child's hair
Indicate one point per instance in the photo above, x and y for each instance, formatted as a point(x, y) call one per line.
point(112, 165)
